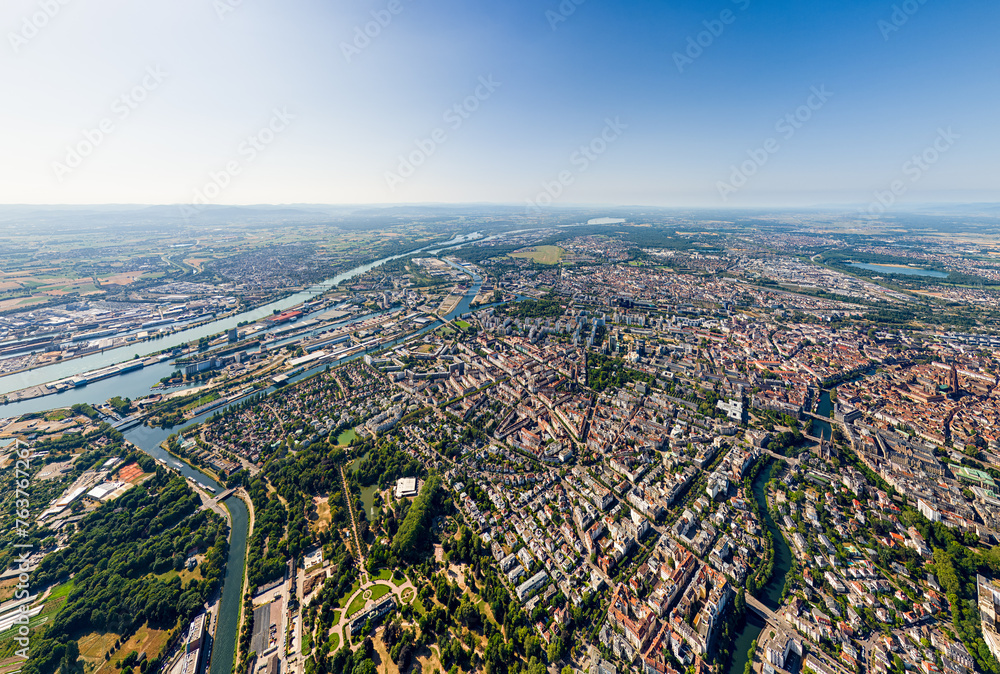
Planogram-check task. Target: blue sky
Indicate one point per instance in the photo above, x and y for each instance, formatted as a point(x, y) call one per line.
point(259, 101)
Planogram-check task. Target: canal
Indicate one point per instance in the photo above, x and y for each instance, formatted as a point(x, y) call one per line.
point(149, 440)
point(770, 594)
point(224, 643)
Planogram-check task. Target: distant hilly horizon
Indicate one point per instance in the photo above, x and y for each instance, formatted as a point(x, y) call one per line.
point(948, 216)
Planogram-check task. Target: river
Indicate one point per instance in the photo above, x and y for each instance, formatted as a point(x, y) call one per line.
point(75, 366)
point(770, 594)
point(149, 439)
point(822, 429)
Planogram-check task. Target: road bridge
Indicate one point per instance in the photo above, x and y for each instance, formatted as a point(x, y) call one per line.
point(763, 611)
point(224, 495)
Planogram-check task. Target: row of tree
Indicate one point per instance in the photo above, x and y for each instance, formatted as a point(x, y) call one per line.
point(412, 536)
point(115, 558)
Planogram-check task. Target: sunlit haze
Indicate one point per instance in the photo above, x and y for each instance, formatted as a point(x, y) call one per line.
point(684, 103)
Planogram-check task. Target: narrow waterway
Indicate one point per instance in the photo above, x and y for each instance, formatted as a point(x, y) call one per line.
point(224, 644)
point(770, 594)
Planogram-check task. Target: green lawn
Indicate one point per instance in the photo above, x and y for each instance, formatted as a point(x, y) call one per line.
point(378, 591)
point(465, 325)
point(354, 588)
point(356, 605)
point(61, 590)
point(345, 438)
point(203, 400)
point(541, 254)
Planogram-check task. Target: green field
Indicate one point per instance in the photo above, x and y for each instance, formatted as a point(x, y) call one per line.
point(52, 605)
point(357, 604)
point(541, 254)
point(345, 438)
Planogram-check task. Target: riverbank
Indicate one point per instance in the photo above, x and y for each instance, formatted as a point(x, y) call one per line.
point(214, 328)
point(243, 496)
point(149, 440)
point(770, 593)
point(127, 346)
point(230, 612)
point(206, 471)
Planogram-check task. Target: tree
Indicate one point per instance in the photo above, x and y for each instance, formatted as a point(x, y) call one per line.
point(405, 655)
point(555, 650)
point(71, 662)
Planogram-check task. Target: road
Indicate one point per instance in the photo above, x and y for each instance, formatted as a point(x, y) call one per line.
point(354, 524)
point(248, 466)
point(792, 461)
point(764, 612)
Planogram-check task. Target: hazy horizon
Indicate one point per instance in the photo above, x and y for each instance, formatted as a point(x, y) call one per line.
point(701, 104)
